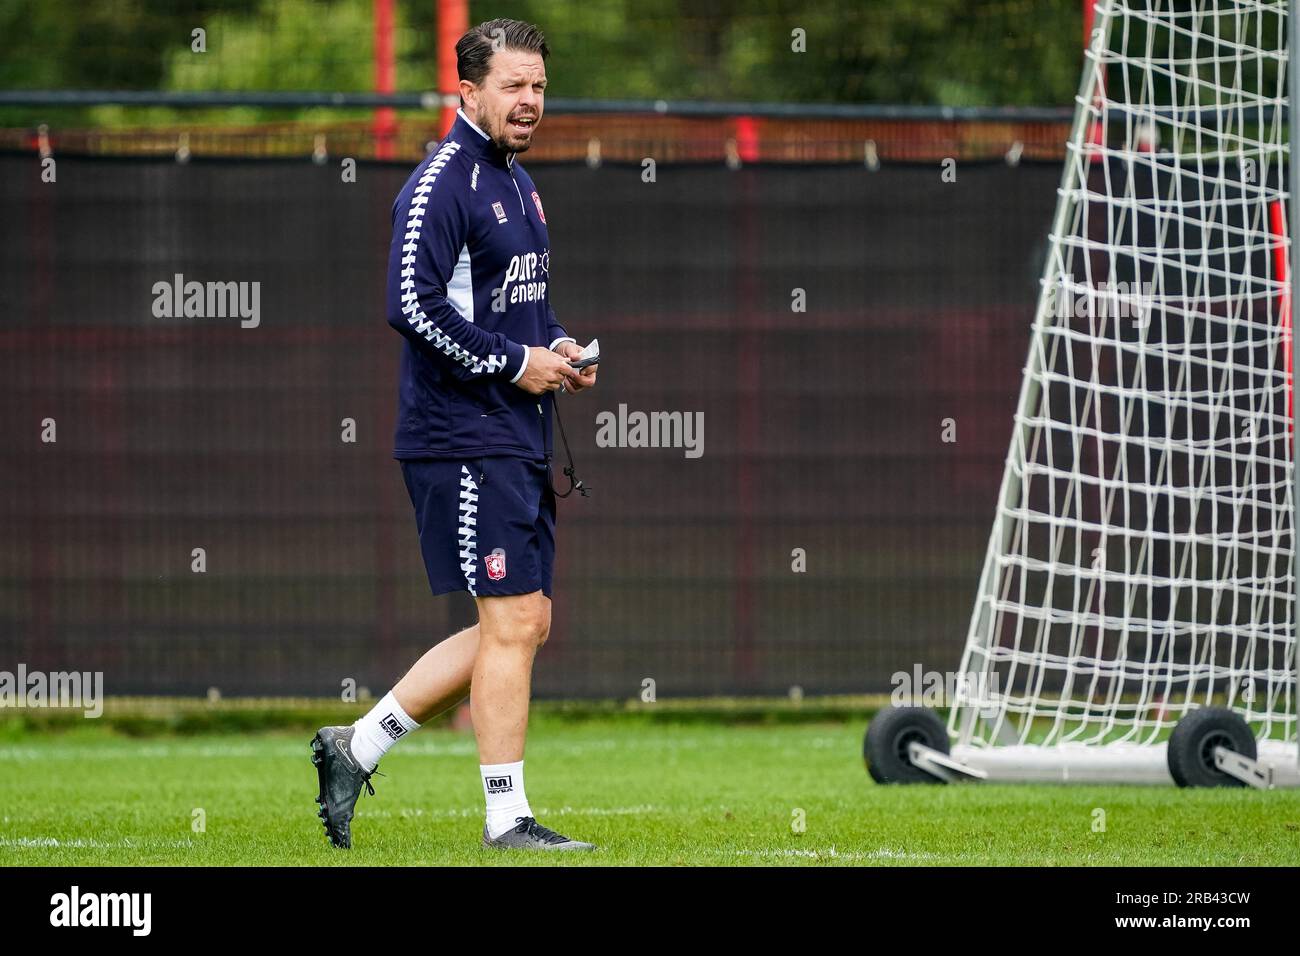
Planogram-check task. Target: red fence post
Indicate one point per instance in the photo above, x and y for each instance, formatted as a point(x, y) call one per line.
point(385, 123)
point(453, 23)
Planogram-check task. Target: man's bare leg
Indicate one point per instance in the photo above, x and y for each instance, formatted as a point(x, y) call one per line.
point(438, 680)
point(441, 678)
point(511, 629)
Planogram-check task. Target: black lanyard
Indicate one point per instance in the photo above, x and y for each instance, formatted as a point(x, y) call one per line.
point(575, 483)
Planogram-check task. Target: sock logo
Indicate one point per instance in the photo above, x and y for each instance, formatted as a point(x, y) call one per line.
point(392, 727)
point(497, 784)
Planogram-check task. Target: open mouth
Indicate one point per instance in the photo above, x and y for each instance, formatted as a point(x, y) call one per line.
point(523, 124)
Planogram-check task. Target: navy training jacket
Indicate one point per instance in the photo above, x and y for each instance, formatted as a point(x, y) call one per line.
point(468, 288)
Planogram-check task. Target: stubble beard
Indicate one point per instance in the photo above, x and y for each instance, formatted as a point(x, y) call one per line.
point(504, 143)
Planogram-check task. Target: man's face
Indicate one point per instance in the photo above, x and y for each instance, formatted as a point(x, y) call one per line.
point(508, 106)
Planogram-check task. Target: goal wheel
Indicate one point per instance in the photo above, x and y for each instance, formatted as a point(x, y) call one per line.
point(1191, 746)
point(885, 748)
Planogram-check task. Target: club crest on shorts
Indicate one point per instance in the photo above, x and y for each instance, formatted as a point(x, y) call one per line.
point(496, 564)
point(537, 201)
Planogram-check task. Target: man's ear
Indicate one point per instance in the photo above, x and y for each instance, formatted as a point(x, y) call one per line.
point(468, 94)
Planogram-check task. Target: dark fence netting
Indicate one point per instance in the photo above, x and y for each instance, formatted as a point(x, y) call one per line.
point(182, 509)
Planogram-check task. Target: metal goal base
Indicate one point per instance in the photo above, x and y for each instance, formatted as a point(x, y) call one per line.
point(1109, 763)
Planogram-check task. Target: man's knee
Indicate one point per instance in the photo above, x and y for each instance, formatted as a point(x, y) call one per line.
point(516, 618)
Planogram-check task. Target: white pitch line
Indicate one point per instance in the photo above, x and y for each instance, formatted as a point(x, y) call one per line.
point(830, 853)
point(421, 748)
point(30, 843)
point(468, 812)
point(424, 746)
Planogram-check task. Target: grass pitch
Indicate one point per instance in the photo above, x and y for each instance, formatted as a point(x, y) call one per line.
point(649, 793)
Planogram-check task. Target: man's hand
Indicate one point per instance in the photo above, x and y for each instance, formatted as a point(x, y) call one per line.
point(546, 371)
point(583, 379)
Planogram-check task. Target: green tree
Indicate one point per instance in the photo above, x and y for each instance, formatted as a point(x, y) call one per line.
point(947, 52)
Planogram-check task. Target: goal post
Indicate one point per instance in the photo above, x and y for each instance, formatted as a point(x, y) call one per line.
point(1293, 184)
point(1141, 565)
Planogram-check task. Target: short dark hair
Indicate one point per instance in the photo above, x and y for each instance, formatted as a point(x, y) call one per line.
point(475, 48)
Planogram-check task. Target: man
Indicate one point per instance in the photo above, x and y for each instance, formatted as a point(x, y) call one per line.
point(468, 288)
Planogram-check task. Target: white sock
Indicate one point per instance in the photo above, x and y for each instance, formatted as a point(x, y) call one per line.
point(378, 730)
point(503, 786)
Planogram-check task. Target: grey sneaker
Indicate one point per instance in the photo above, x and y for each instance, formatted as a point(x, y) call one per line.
point(341, 781)
point(531, 835)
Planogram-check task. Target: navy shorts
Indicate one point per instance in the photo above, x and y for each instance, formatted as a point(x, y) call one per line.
point(487, 525)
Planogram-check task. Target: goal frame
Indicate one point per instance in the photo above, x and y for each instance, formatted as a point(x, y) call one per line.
point(1007, 759)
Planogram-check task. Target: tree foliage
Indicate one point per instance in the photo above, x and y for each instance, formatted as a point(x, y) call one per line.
point(947, 52)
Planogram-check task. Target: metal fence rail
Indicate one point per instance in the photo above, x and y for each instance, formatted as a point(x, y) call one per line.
point(554, 105)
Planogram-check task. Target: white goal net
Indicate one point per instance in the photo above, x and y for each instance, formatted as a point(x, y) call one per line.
point(1140, 564)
